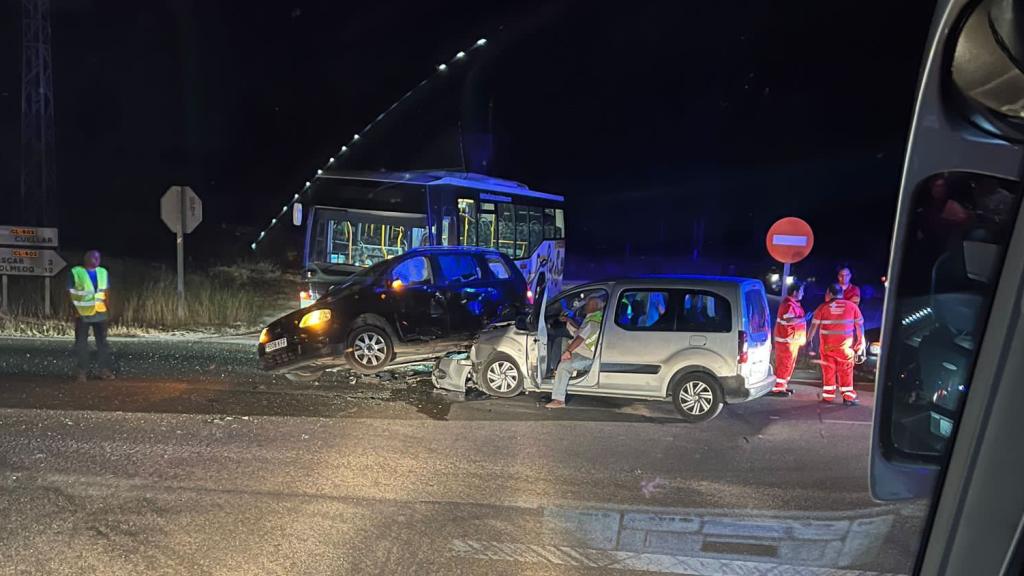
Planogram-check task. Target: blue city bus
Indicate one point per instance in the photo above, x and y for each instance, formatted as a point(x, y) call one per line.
point(355, 219)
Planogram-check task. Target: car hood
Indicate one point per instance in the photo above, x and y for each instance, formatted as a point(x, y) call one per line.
point(289, 321)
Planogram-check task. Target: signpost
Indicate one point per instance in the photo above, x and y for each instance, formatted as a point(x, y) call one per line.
point(29, 257)
point(26, 236)
point(181, 210)
point(789, 241)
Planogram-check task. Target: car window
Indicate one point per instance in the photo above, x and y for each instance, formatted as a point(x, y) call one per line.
point(571, 303)
point(702, 311)
point(413, 271)
point(497, 266)
point(960, 228)
point(458, 268)
point(644, 310)
point(757, 314)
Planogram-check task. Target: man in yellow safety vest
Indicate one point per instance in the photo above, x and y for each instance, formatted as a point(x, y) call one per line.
point(579, 354)
point(88, 285)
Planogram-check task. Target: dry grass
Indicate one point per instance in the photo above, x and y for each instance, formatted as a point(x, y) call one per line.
point(143, 299)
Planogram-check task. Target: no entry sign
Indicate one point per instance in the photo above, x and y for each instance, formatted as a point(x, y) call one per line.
point(790, 240)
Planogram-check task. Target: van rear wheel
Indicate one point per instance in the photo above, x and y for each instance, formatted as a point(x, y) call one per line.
point(697, 397)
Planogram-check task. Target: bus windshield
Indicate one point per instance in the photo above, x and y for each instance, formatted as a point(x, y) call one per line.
point(363, 238)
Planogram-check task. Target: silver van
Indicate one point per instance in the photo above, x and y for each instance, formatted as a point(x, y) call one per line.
point(703, 341)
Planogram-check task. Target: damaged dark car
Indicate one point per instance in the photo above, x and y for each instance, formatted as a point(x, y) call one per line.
point(410, 308)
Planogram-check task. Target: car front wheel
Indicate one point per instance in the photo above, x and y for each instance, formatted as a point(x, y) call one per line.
point(697, 397)
point(500, 376)
point(369, 349)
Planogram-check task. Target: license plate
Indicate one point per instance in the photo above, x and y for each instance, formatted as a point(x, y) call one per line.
point(280, 343)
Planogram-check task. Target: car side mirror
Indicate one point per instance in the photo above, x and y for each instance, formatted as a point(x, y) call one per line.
point(523, 323)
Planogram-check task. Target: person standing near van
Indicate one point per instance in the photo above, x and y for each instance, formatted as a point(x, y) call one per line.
point(88, 286)
point(790, 335)
point(850, 290)
point(579, 354)
point(842, 339)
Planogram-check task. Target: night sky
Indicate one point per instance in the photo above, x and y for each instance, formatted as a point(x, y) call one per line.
point(661, 113)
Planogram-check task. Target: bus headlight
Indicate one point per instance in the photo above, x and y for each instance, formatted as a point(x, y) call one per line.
point(265, 336)
point(315, 318)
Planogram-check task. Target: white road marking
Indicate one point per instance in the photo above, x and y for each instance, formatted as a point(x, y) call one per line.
point(647, 562)
point(846, 422)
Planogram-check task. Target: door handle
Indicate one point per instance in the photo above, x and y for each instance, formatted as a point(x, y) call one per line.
point(698, 340)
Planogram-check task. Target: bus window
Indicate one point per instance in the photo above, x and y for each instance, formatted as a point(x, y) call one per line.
point(467, 222)
point(486, 232)
point(446, 231)
point(339, 243)
point(362, 239)
point(549, 223)
point(522, 231)
point(559, 223)
point(506, 221)
point(536, 230)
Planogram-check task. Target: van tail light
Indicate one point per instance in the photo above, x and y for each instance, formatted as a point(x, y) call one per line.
point(742, 352)
point(529, 296)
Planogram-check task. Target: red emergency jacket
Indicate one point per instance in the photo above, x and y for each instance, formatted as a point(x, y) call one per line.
point(852, 293)
point(838, 321)
point(791, 324)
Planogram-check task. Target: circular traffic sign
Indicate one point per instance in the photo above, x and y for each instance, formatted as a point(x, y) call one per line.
point(790, 240)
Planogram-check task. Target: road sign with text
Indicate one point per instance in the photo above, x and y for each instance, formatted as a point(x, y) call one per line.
point(30, 262)
point(28, 236)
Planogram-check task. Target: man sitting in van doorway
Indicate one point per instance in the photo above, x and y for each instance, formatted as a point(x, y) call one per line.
point(579, 354)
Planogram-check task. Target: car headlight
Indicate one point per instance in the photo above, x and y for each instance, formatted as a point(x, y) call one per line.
point(875, 348)
point(315, 318)
point(265, 336)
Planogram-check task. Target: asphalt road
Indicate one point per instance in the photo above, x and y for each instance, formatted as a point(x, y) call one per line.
point(193, 462)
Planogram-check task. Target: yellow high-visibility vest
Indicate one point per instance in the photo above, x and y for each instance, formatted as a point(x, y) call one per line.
point(597, 317)
point(89, 300)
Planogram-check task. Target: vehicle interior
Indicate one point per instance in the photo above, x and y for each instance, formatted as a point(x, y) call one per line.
point(962, 225)
point(557, 316)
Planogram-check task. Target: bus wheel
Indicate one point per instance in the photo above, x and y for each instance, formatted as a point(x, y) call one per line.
point(369, 349)
point(697, 397)
point(499, 376)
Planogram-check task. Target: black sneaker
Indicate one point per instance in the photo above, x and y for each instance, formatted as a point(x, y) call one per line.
point(853, 402)
point(780, 393)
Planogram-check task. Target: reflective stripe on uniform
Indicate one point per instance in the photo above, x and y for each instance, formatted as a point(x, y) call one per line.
point(89, 297)
point(850, 331)
point(777, 339)
point(790, 322)
point(835, 321)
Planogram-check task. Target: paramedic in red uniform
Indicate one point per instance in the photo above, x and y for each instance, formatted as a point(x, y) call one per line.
point(842, 339)
point(790, 335)
point(850, 291)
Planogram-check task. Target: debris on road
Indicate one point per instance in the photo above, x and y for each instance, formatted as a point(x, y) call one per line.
point(223, 419)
